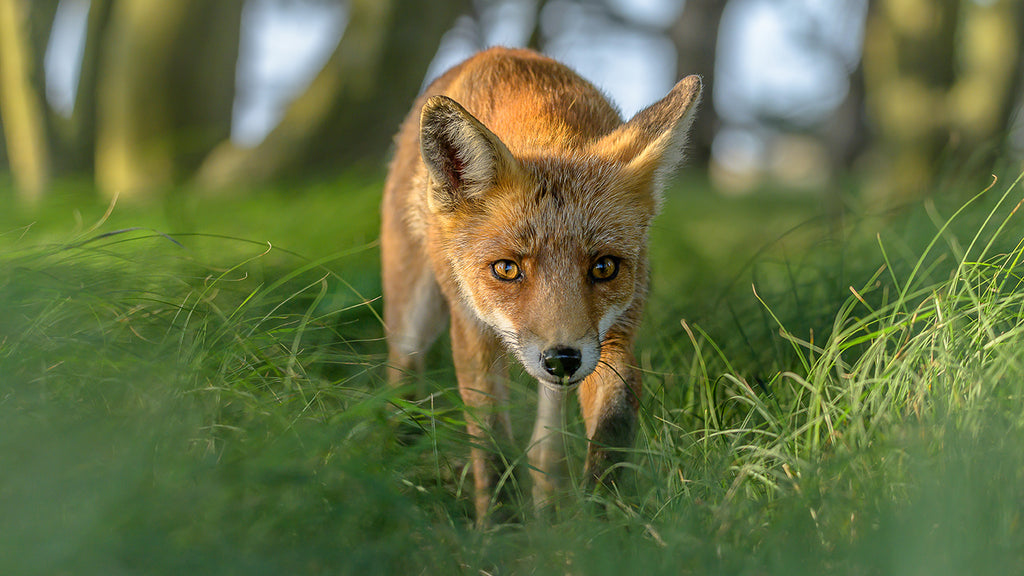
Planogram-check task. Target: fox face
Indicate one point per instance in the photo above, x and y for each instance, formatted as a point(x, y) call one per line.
point(549, 251)
point(551, 262)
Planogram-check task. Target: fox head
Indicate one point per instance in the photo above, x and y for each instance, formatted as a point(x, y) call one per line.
point(549, 249)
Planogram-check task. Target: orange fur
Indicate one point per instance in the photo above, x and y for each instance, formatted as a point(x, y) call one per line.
point(511, 159)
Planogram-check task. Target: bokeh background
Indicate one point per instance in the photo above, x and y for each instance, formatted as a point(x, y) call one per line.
point(142, 96)
point(192, 357)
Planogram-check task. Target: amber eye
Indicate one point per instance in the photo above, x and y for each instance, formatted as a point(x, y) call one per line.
point(604, 269)
point(506, 270)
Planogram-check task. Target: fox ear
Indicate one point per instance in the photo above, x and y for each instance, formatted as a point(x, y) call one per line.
point(651, 143)
point(463, 157)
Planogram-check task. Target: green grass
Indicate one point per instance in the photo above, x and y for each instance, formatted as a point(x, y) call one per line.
point(196, 387)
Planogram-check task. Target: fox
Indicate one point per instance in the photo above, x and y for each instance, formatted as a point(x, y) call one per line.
point(516, 211)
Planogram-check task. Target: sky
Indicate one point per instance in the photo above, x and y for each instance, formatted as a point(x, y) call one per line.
point(764, 66)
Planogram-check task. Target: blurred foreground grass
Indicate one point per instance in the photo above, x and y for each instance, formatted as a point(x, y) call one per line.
point(195, 387)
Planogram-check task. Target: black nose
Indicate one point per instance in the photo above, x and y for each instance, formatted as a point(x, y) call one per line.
point(561, 361)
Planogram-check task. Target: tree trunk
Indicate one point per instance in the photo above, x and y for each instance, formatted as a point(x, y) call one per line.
point(22, 97)
point(989, 66)
point(3, 146)
point(940, 76)
point(81, 129)
point(165, 90)
point(205, 68)
point(695, 36)
point(354, 106)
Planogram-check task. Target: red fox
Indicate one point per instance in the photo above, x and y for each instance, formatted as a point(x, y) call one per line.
point(518, 205)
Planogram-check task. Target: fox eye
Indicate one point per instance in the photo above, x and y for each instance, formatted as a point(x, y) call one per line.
point(506, 270)
point(606, 268)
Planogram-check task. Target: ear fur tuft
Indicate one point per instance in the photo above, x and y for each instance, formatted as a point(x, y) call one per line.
point(463, 157)
point(651, 143)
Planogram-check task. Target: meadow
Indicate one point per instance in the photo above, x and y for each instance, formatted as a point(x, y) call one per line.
point(195, 385)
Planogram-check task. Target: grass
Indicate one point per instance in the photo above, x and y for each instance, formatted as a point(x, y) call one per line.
point(197, 387)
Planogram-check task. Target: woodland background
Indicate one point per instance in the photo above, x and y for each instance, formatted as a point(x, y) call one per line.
point(886, 89)
point(192, 358)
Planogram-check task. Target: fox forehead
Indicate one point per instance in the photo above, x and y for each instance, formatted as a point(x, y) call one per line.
point(581, 207)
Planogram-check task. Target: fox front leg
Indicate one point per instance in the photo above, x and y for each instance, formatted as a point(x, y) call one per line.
point(609, 401)
point(547, 447)
point(481, 369)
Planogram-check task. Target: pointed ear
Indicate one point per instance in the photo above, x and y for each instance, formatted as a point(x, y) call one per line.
point(463, 157)
point(651, 143)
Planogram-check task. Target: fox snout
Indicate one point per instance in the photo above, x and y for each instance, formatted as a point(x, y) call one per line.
point(562, 362)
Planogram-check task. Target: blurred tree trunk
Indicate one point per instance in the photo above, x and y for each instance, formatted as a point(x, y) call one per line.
point(165, 89)
point(536, 39)
point(989, 65)
point(695, 36)
point(847, 134)
point(940, 76)
point(41, 17)
point(354, 106)
point(27, 130)
point(81, 128)
point(3, 145)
